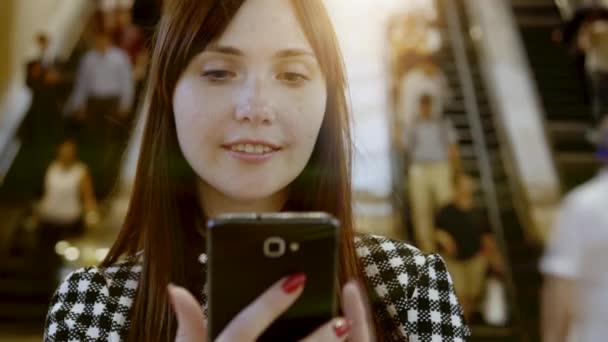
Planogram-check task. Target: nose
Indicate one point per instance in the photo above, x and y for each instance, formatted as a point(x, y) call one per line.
point(254, 105)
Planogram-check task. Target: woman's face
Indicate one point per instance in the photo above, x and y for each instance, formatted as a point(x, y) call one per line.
point(248, 109)
point(66, 153)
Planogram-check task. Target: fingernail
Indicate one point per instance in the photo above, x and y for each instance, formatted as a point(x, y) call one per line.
point(294, 283)
point(341, 327)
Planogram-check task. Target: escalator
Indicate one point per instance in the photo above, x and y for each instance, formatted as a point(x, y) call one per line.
point(561, 89)
point(480, 145)
point(26, 284)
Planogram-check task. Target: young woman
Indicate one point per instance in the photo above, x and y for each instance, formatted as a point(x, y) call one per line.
point(69, 197)
point(67, 206)
point(247, 113)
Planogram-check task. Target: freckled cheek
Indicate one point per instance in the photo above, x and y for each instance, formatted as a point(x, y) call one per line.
point(205, 135)
point(200, 116)
point(309, 117)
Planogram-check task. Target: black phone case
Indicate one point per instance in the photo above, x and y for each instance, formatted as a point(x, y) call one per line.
point(239, 271)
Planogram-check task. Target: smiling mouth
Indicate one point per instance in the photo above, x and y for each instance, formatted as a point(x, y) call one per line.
point(252, 148)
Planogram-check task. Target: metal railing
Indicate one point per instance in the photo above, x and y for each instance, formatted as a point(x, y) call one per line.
point(7, 157)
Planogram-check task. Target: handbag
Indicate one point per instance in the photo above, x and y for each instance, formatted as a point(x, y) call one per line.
point(495, 307)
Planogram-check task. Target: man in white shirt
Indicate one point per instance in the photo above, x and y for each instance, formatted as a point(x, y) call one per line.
point(575, 264)
point(100, 103)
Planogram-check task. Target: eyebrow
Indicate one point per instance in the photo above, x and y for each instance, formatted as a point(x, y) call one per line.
point(293, 53)
point(229, 50)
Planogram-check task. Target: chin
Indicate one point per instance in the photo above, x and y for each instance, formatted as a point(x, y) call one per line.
point(248, 192)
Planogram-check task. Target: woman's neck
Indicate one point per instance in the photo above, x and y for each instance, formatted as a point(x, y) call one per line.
point(66, 164)
point(216, 203)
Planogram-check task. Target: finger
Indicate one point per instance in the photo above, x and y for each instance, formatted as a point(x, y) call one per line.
point(190, 318)
point(250, 323)
point(335, 330)
point(355, 308)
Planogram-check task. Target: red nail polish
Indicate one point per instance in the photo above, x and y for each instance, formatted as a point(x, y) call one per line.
point(294, 282)
point(341, 327)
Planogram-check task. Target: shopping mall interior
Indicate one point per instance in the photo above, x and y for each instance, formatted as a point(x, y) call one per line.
point(472, 122)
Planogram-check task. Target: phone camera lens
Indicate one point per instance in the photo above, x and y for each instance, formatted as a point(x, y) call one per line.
point(274, 247)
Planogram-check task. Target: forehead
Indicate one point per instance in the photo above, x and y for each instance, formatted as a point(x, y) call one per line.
point(262, 26)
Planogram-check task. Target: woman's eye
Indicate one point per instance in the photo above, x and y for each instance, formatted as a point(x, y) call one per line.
point(292, 78)
point(219, 75)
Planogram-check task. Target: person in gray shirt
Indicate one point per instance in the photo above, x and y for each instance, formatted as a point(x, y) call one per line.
point(432, 148)
point(99, 106)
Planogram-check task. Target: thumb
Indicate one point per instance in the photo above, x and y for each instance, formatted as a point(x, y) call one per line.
point(190, 319)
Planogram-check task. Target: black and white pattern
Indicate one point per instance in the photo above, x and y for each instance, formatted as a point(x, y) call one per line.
point(413, 296)
point(415, 291)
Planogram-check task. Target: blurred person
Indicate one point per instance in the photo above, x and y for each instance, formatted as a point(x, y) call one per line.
point(425, 78)
point(101, 102)
point(411, 36)
point(146, 15)
point(433, 158)
point(466, 245)
point(68, 192)
point(43, 118)
point(240, 120)
point(67, 204)
point(130, 38)
point(43, 54)
point(569, 35)
point(593, 40)
point(107, 10)
point(104, 81)
point(575, 291)
point(42, 125)
point(405, 40)
point(426, 10)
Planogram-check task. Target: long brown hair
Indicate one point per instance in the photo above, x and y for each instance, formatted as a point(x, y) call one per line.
point(164, 217)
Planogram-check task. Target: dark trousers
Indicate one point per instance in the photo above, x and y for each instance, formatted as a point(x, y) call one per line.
point(103, 136)
point(48, 235)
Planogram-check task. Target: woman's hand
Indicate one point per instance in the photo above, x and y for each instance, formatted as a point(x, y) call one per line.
point(250, 323)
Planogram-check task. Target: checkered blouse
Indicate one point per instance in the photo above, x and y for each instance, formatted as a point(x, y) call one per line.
point(413, 297)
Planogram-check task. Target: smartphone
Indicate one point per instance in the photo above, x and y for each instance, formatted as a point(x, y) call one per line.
point(247, 253)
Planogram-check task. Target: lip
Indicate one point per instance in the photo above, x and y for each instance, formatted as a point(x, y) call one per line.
point(252, 157)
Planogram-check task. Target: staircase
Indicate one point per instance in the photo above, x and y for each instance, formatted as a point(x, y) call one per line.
point(560, 88)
